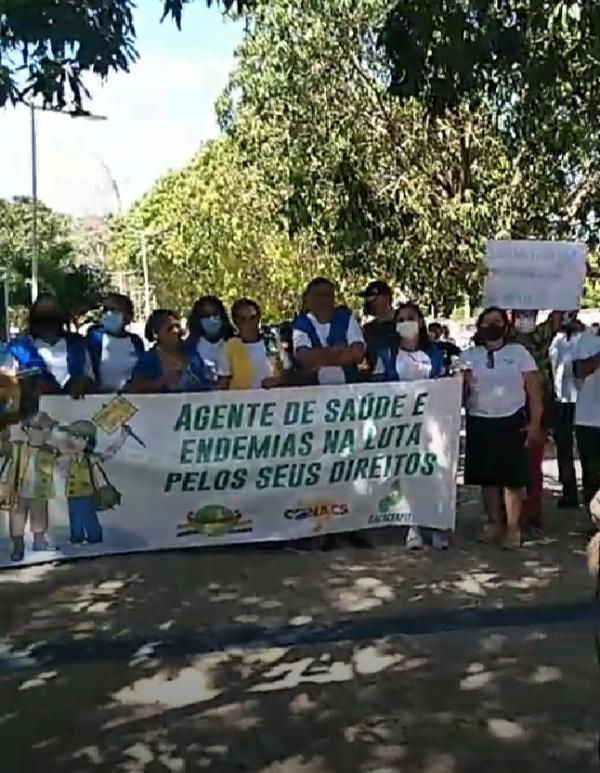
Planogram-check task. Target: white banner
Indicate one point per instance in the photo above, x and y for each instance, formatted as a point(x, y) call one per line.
point(534, 275)
point(116, 474)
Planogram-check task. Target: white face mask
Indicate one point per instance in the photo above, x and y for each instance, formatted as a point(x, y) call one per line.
point(525, 324)
point(408, 329)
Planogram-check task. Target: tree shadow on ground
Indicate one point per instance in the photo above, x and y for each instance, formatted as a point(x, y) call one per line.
point(445, 703)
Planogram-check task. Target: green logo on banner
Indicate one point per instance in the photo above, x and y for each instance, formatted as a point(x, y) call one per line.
point(214, 521)
point(393, 500)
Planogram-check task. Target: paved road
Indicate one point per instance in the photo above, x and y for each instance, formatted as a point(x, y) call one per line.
point(274, 661)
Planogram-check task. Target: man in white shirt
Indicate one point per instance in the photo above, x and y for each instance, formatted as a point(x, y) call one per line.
point(562, 354)
point(587, 412)
point(327, 339)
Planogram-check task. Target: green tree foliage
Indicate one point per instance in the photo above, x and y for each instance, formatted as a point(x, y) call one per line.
point(48, 46)
point(212, 228)
point(535, 66)
point(78, 286)
point(383, 140)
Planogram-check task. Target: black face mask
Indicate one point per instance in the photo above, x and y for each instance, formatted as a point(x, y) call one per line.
point(369, 308)
point(492, 332)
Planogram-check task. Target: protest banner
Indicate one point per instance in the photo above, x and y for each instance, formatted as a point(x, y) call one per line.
point(146, 472)
point(533, 274)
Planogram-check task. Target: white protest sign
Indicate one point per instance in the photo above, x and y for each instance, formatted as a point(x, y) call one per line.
point(223, 467)
point(534, 274)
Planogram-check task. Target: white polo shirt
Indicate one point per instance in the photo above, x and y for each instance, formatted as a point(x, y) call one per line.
point(117, 361)
point(213, 354)
point(587, 410)
point(497, 384)
point(562, 354)
point(410, 366)
point(330, 374)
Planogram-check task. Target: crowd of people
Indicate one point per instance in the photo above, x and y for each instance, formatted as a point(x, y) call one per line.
point(522, 380)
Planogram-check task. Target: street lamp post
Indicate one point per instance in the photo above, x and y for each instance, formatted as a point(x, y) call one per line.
point(34, 210)
point(34, 187)
point(144, 246)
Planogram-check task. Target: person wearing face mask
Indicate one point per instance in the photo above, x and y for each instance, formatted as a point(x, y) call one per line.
point(380, 332)
point(114, 351)
point(537, 338)
point(562, 355)
point(250, 365)
point(412, 357)
point(327, 340)
point(210, 328)
point(59, 356)
point(172, 364)
point(500, 378)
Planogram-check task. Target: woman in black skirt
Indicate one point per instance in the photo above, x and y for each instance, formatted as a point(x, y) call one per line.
point(500, 379)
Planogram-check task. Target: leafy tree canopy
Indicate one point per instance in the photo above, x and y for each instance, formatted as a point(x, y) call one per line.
point(47, 47)
point(78, 286)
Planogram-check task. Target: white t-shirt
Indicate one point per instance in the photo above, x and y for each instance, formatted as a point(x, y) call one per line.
point(262, 366)
point(587, 410)
point(117, 361)
point(497, 391)
point(330, 374)
point(55, 357)
point(410, 366)
point(213, 354)
point(562, 351)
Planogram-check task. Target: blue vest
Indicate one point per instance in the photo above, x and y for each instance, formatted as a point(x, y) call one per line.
point(27, 356)
point(196, 378)
point(436, 355)
point(95, 339)
point(390, 372)
point(338, 334)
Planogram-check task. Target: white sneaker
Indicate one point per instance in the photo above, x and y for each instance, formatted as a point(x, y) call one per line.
point(440, 540)
point(414, 540)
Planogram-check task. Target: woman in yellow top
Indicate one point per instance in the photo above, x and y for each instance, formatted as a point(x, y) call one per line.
point(250, 363)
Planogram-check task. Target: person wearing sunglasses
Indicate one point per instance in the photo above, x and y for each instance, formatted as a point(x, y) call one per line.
point(114, 350)
point(172, 364)
point(249, 362)
point(500, 379)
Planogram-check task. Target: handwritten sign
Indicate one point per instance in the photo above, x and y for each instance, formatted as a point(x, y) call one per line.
point(534, 274)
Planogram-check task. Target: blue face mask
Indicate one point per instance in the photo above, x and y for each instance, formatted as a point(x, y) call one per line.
point(212, 326)
point(112, 322)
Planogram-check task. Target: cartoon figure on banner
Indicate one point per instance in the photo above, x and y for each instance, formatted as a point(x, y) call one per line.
point(55, 461)
point(27, 473)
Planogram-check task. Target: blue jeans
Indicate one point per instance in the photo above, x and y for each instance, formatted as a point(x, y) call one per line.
point(83, 520)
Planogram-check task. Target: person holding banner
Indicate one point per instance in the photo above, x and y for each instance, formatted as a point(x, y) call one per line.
point(210, 328)
point(249, 363)
point(172, 364)
point(500, 378)
point(59, 357)
point(114, 351)
point(412, 357)
point(326, 338)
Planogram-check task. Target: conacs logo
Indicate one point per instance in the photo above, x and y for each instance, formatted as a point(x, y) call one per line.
point(322, 513)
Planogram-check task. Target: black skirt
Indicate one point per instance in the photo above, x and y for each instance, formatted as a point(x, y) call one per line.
point(495, 451)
